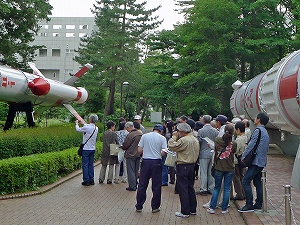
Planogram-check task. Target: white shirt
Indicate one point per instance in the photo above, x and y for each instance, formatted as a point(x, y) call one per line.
point(152, 144)
point(87, 131)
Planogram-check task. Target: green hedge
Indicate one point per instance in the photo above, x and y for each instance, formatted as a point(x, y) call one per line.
point(27, 141)
point(27, 173)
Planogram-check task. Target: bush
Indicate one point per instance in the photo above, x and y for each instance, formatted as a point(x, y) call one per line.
point(27, 141)
point(28, 173)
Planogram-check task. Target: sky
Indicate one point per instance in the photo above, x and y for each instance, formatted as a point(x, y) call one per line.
point(81, 8)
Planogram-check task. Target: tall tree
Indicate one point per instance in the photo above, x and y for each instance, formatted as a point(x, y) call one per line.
point(266, 35)
point(18, 26)
point(115, 48)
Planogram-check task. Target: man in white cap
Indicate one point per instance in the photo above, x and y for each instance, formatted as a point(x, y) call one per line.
point(138, 119)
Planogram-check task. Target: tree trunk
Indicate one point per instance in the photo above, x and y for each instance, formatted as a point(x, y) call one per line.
point(109, 107)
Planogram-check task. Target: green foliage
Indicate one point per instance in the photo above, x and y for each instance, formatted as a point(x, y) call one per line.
point(18, 26)
point(113, 49)
point(27, 141)
point(28, 173)
point(3, 111)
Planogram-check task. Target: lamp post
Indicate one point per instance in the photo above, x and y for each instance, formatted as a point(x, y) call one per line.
point(175, 76)
point(121, 102)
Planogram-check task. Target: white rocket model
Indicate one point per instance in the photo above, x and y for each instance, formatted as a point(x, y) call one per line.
point(24, 90)
point(276, 93)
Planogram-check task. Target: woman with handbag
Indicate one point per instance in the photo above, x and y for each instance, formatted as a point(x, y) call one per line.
point(223, 168)
point(109, 137)
point(90, 132)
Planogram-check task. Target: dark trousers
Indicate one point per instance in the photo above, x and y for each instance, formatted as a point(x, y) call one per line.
point(253, 174)
point(185, 186)
point(150, 168)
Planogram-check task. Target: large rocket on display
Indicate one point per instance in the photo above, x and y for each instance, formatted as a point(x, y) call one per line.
point(24, 90)
point(275, 92)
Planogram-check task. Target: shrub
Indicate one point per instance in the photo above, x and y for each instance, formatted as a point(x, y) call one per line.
point(27, 141)
point(28, 173)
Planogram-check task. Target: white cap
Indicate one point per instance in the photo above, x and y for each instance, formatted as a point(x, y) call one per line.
point(137, 117)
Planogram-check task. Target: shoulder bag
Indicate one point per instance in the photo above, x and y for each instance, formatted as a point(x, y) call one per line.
point(80, 150)
point(248, 160)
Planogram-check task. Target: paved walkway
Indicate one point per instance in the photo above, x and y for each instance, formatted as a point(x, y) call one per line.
point(71, 203)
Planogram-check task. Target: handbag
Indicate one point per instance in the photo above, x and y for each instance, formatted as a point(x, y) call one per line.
point(170, 160)
point(114, 149)
point(80, 150)
point(248, 160)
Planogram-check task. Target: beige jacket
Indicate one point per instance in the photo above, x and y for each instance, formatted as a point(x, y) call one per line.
point(187, 148)
point(241, 141)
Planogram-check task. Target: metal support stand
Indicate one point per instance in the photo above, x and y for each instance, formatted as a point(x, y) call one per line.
point(287, 197)
point(265, 199)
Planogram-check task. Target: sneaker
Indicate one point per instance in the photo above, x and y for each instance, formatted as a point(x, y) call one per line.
point(246, 208)
point(100, 181)
point(123, 181)
point(130, 189)
point(116, 181)
point(224, 211)
point(155, 210)
point(206, 205)
point(202, 193)
point(85, 183)
point(179, 214)
point(91, 182)
point(139, 210)
point(211, 211)
point(109, 182)
point(193, 213)
point(257, 207)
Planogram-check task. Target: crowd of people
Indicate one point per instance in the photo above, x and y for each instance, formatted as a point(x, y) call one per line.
point(208, 151)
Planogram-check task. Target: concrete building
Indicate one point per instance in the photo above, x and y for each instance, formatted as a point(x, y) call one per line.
point(60, 38)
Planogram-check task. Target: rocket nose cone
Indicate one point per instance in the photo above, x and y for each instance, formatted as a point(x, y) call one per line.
point(39, 86)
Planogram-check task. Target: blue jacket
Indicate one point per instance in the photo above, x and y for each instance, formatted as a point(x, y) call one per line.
point(262, 149)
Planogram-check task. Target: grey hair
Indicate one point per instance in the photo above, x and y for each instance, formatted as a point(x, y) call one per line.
point(93, 118)
point(129, 124)
point(184, 127)
point(206, 118)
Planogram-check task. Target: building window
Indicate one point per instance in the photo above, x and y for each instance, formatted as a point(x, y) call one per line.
point(83, 35)
point(54, 74)
point(56, 34)
point(44, 26)
point(69, 72)
point(55, 27)
point(43, 34)
point(42, 52)
point(70, 35)
point(70, 52)
point(70, 27)
point(83, 27)
point(56, 52)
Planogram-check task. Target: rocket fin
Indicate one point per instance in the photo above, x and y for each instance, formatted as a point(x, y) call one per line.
point(79, 74)
point(74, 113)
point(35, 70)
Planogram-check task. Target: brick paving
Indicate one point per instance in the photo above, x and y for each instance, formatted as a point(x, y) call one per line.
point(68, 202)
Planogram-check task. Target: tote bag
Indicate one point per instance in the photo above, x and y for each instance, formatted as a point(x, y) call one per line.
point(114, 149)
point(170, 160)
